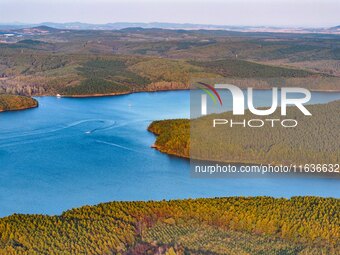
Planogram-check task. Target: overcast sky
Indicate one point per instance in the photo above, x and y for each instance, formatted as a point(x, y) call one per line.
point(310, 13)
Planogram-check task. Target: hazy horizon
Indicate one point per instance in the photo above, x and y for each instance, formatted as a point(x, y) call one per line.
point(276, 13)
point(151, 22)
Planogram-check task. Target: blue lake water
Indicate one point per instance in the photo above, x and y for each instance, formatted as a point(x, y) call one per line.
point(71, 152)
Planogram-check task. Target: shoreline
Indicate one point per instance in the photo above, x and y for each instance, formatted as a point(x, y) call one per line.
point(249, 163)
point(162, 200)
point(119, 93)
point(13, 103)
point(94, 95)
point(20, 109)
point(160, 90)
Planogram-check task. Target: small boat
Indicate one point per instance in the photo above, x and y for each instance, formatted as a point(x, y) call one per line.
point(58, 96)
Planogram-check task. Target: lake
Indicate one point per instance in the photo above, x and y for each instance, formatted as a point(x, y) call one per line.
point(71, 152)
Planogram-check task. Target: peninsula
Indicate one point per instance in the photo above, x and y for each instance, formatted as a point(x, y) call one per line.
point(15, 103)
point(313, 141)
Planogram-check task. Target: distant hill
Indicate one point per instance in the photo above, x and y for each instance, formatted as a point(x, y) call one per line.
point(187, 26)
point(46, 28)
point(132, 29)
point(37, 29)
point(337, 28)
point(123, 25)
point(31, 42)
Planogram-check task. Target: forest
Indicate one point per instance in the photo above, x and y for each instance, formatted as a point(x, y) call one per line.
point(230, 225)
point(46, 61)
point(314, 140)
point(13, 103)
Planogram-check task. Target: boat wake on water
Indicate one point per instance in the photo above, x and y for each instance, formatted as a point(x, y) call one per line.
point(106, 126)
point(119, 146)
point(49, 133)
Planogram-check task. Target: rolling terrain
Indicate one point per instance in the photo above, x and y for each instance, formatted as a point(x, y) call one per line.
point(39, 61)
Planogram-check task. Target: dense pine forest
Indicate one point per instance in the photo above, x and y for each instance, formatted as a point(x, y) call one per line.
point(233, 225)
point(315, 140)
point(13, 103)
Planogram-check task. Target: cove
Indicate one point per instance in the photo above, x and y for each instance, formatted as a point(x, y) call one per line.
point(71, 152)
